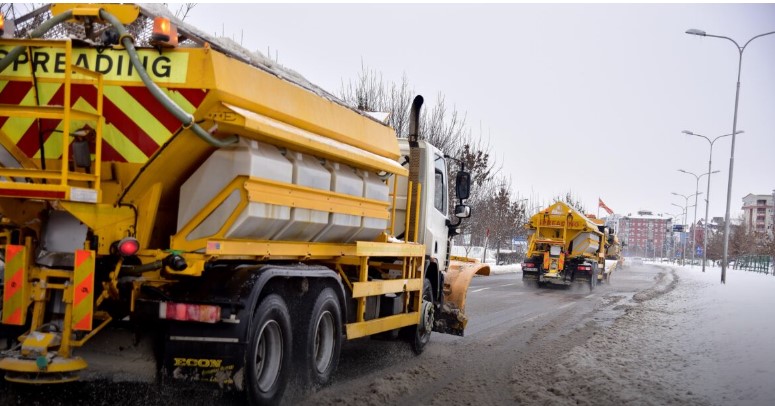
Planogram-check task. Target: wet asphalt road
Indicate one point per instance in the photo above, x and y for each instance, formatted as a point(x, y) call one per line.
point(505, 320)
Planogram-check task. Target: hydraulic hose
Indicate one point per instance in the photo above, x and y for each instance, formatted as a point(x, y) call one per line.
point(186, 119)
point(182, 116)
point(47, 25)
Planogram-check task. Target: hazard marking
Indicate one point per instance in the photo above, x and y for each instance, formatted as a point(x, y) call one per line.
point(13, 293)
point(83, 290)
point(85, 323)
point(136, 124)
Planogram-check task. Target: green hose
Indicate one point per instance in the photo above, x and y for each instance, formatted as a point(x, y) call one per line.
point(186, 119)
point(47, 25)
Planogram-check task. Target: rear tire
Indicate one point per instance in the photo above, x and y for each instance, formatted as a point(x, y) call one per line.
point(268, 353)
point(322, 342)
point(593, 278)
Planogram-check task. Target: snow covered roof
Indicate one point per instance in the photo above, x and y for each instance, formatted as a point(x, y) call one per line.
point(647, 217)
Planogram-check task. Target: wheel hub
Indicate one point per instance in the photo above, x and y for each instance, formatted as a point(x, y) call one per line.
point(426, 322)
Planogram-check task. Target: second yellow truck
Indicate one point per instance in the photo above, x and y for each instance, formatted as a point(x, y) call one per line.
point(565, 247)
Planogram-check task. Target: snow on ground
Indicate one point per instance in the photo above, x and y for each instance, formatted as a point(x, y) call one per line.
point(499, 269)
point(733, 335)
point(687, 340)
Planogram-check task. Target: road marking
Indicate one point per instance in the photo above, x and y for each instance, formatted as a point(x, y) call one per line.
point(588, 296)
point(509, 284)
point(566, 305)
point(479, 290)
point(533, 318)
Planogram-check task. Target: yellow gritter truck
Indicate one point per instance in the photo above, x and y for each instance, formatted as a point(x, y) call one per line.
point(173, 183)
point(564, 248)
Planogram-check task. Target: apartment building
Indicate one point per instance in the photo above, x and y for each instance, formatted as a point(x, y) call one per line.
point(758, 213)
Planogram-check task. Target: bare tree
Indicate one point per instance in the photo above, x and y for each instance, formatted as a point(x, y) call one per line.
point(181, 12)
point(571, 200)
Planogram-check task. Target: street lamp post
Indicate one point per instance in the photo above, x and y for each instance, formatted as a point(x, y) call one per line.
point(694, 31)
point(686, 212)
point(694, 225)
point(672, 230)
point(683, 243)
point(707, 195)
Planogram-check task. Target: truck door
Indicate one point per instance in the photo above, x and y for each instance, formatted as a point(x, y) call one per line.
point(437, 215)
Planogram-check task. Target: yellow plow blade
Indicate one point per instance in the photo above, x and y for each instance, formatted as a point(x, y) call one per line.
point(452, 319)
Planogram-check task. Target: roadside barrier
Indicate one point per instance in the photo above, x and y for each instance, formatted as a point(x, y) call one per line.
point(755, 263)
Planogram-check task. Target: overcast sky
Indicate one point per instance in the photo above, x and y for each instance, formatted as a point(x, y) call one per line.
point(584, 98)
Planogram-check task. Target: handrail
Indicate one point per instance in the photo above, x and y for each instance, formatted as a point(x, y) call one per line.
point(62, 176)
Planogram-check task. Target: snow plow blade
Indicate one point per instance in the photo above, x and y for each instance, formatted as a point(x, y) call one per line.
point(452, 318)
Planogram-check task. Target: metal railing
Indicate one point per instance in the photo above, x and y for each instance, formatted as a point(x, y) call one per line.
point(755, 263)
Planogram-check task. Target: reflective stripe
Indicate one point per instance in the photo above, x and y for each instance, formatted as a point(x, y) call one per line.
point(135, 126)
point(83, 290)
point(15, 277)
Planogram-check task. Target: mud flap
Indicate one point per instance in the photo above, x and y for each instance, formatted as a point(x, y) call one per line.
point(452, 319)
point(83, 290)
point(15, 297)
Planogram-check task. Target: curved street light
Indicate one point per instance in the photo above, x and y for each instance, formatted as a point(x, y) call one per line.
point(740, 49)
point(694, 224)
point(680, 217)
point(707, 195)
point(686, 212)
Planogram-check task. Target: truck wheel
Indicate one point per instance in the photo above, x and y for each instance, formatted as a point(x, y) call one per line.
point(268, 352)
point(593, 278)
point(422, 333)
point(323, 339)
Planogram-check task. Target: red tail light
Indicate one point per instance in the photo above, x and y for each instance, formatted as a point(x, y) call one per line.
point(584, 268)
point(189, 312)
point(128, 246)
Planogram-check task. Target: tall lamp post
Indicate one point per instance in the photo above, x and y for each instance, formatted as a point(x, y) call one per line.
point(676, 217)
point(686, 213)
point(707, 195)
point(694, 225)
point(683, 243)
point(740, 49)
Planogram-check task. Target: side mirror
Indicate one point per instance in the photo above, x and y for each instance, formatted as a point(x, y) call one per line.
point(462, 211)
point(462, 186)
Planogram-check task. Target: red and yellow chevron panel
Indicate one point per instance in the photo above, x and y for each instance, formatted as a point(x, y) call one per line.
point(83, 290)
point(136, 124)
point(14, 293)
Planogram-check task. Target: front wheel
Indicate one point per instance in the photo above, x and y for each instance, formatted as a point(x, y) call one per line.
point(422, 334)
point(268, 352)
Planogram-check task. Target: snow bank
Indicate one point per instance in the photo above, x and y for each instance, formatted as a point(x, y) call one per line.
point(687, 340)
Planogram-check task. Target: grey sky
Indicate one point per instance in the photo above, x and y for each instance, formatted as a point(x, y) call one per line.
point(587, 98)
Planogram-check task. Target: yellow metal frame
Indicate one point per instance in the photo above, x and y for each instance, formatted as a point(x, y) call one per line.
point(125, 13)
point(351, 260)
point(253, 125)
point(255, 190)
point(59, 181)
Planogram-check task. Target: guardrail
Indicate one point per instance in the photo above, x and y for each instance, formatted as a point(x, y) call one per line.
point(755, 263)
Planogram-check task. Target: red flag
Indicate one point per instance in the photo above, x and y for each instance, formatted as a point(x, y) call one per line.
point(601, 204)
